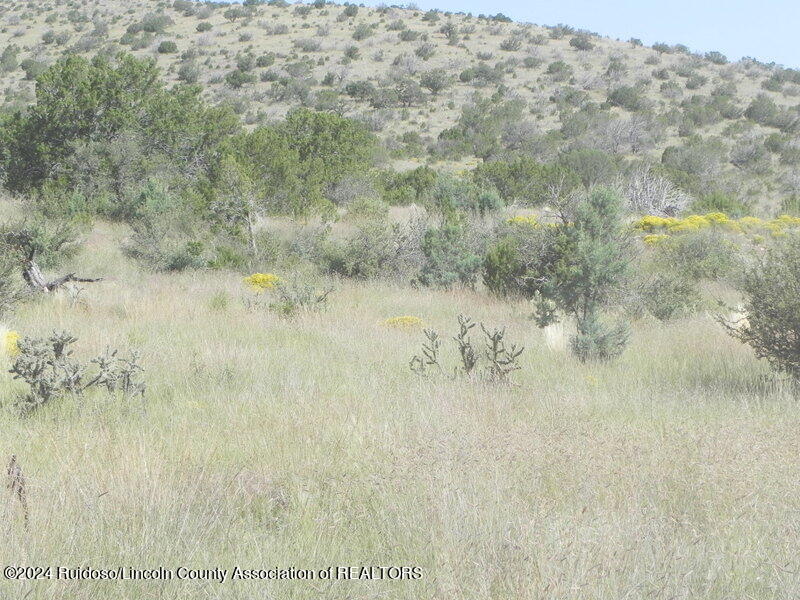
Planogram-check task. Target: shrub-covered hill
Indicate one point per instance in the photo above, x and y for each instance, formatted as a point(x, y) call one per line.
point(452, 89)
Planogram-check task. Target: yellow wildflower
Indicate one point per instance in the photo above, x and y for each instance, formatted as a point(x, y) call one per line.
point(527, 221)
point(751, 223)
point(654, 239)
point(405, 322)
point(717, 218)
point(650, 223)
point(11, 343)
point(786, 222)
point(259, 282)
point(690, 223)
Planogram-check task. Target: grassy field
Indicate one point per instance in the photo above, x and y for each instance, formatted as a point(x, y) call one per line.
point(308, 443)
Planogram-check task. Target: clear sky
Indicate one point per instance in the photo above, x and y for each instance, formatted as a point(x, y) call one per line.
point(768, 30)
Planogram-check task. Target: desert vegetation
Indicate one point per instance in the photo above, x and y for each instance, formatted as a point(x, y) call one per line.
point(301, 286)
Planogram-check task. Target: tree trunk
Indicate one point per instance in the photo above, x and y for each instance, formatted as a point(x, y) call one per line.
point(252, 234)
point(32, 275)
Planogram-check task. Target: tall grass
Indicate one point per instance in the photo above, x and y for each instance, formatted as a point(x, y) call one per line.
point(307, 442)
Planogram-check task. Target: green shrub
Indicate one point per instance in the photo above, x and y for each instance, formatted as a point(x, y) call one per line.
point(203, 27)
point(237, 78)
point(426, 50)
point(596, 340)
point(409, 187)
point(167, 47)
point(189, 72)
point(627, 97)
point(296, 295)
point(435, 80)
point(581, 42)
point(266, 60)
point(503, 268)
point(511, 44)
point(718, 58)
point(772, 307)
point(167, 234)
point(364, 254)
point(8, 58)
point(480, 127)
point(705, 254)
point(449, 259)
point(362, 32)
point(696, 81)
point(33, 68)
point(408, 35)
point(791, 205)
point(525, 181)
point(720, 202)
point(667, 296)
point(52, 239)
point(559, 70)
point(451, 195)
point(156, 23)
point(592, 167)
point(360, 90)
point(368, 209)
point(307, 45)
point(235, 13)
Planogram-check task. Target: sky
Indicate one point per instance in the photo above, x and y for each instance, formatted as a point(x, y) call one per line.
point(768, 30)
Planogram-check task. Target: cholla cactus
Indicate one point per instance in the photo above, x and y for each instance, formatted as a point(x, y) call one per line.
point(47, 366)
point(498, 360)
point(465, 349)
point(429, 358)
point(502, 360)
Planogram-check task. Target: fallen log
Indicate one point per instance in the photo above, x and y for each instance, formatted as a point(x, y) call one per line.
point(33, 276)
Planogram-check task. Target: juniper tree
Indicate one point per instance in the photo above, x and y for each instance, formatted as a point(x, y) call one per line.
point(771, 288)
point(586, 260)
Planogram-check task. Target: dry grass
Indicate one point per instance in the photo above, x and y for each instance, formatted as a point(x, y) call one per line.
point(307, 442)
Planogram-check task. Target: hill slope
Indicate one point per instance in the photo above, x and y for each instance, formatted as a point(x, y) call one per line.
point(411, 75)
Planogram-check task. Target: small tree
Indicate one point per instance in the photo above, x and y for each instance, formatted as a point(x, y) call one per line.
point(573, 268)
point(237, 201)
point(582, 42)
point(167, 47)
point(448, 257)
point(771, 288)
point(435, 80)
point(408, 91)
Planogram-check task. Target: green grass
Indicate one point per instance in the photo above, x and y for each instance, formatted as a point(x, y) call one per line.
point(307, 442)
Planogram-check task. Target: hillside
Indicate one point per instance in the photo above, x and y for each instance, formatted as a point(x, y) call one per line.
point(730, 128)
